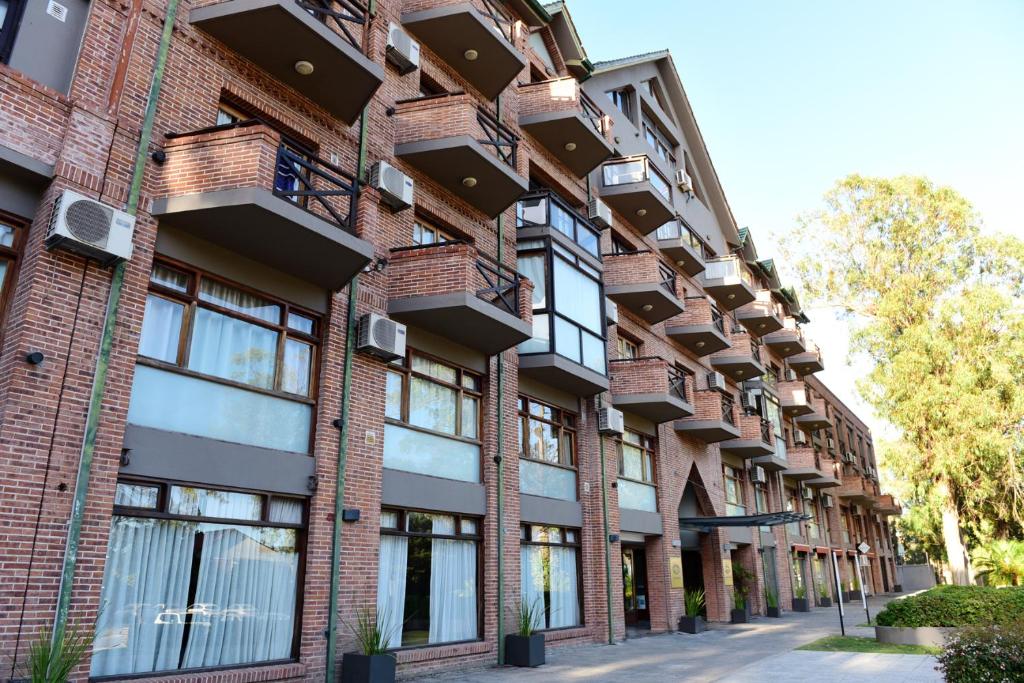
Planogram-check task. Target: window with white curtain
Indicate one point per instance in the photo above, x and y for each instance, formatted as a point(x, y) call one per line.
point(197, 578)
point(549, 572)
point(427, 582)
point(433, 418)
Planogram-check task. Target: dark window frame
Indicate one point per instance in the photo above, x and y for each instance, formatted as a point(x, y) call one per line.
point(649, 448)
point(12, 256)
point(10, 27)
point(526, 538)
point(562, 426)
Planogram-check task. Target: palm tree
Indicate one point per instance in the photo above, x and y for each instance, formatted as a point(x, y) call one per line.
point(1001, 563)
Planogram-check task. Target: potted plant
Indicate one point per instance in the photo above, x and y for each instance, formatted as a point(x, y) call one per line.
point(741, 579)
point(800, 599)
point(854, 593)
point(738, 615)
point(50, 660)
point(372, 663)
point(525, 647)
point(771, 599)
point(692, 622)
point(824, 597)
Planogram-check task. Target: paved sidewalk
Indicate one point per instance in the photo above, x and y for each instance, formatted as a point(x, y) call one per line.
point(759, 651)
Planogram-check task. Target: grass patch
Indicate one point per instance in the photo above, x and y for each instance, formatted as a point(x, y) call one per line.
point(856, 644)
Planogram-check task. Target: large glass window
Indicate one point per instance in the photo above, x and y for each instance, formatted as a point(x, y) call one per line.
point(433, 418)
point(569, 320)
point(427, 590)
point(636, 485)
point(197, 578)
point(658, 141)
point(732, 479)
point(793, 505)
point(549, 570)
point(547, 450)
point(811, 509)
point(10, 240)
point(844, 524)
point(547, 210)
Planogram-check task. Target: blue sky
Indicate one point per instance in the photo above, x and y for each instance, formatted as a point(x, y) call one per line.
point(791, 96)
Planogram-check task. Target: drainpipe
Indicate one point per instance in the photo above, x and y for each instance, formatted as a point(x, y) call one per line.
point(343, 421)
point(500, 506)
point(74, 535)
point(604, 509)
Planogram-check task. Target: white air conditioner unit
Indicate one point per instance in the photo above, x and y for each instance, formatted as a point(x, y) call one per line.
point(808, 493)
point(716, 381)
point(381, 337)
point(402, 50)
point(599, 213)
point(683, 180)
point(87, 227)
point(396, 189)
point(849, 457)
point(611, 312)
point(610, 421)
point(827, 502)
point(799, 437)
point(758, 476)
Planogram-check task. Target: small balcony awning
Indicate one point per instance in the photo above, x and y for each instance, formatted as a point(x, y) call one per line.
point(706, 524)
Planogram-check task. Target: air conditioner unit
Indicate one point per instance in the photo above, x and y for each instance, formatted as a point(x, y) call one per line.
point(396, 189)
point(827, 502)
point(381, 337)
point(87, 227)
point(799, 437)
point(683, 180)
point(849, 458)
point(599, 213)
point(808, 493)
point(758, 476)
point(402, 50)
point(611, 312)
point(716, 381)
point(610, 421)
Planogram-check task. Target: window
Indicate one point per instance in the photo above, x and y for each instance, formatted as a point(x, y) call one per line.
point(11, 234)
point(658, 141)
point(621, 100)
point(427, 590)
point(547, 448)
point(227, 115)
point(811, 508)
point(216, 360)
point(844, 524)
point(548, 210)
point(732, 478)
point(627, 348)
point(620, 245)
point(793, 505)
point(636, 485)
point(549, 570)
point(761, 498)
point(10, 18)
point(198, 578)
point(433, 418)
point(425, 233)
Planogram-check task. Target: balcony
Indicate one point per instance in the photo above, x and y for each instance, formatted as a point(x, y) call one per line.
point(562, 118)
point(637, 191)
point(794, 398)
point(472, 155)
point(714, 418)
point(887, 505)
point(729, 281)
point(805, 464)
point(456, 292)
point(817, 418)
point(240, 188)
point(787, 341)
point(857, 490)
point(679, 243)
point(700, 327)
point(755, 439)
point(474, 38)
point(651, 388)
point(808, 362)
point(544, 214)
point(761, 316)
point(742, 360)
point(640, 282)
point(279, 35)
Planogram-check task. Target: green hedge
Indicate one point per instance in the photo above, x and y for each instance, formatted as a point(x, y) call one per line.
point(955, 606)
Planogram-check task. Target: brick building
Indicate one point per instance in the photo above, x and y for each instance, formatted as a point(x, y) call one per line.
point(569, 253)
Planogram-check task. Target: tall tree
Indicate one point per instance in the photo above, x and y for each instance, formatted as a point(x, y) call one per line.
point(938, 310)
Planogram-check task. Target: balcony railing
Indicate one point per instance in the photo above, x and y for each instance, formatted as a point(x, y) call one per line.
point(498, 136)
point(635, 170)
point(727, 411)
point(676, 229)
point(502, 21)
point(755, 349)
point(766, 432)
point(547, 209)
point(339, 15)
point(726, 268)
point(668, 278)
point(677, 383)
point(717, 319)
point(313, 183)
point(593, 114)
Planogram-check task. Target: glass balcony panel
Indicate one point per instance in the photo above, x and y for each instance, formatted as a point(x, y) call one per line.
point(624, 173)
point(540, 342)
point(661, 185)
point(567, 340)
point(539, 479)
point(431, 454)
point(594, 352)
point(636, 496)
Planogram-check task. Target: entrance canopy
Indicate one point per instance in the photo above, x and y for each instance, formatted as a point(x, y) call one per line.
point(706, 524)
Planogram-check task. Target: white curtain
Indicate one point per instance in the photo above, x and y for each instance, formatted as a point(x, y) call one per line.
point(143, 603)
point(531, 572)
point(532, 266)
point(577, 296)
point(452, 585)
point(391, 576)
point(247, 583)
point(161, 328)
point(565, 603)
point(233, 349)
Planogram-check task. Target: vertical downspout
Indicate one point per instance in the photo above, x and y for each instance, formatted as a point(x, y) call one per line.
point(106, 343)
point(346, 395)
point(500, 506)
point(604, 508)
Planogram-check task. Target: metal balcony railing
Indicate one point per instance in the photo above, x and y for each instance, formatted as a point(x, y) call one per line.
point(727, 411)
point(310, 182)
point(338, 15)
point(499, 17)
point(766, 431)
point(498, 136)
point(635, 169)
point(668, 278)
point(593, 114)
point(677, 383)
point(717, 319)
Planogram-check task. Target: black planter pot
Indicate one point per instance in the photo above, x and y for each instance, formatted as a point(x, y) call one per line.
point(692, 624)
point(357, 668)
point(853, 596)
point(524, 650)
point(824, 602)
point(738, 616)
point(897, 588)
point(801, 605)
point(773, 612)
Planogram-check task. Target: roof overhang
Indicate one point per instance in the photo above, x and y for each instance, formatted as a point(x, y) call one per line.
point(706, 524)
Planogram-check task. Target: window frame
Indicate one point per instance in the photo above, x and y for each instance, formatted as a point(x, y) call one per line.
point(403, 367)
point(622, 100)
point(441, 236)
point(526, 538)
point(12, 256)
point(561, 426)
point(628, 344)
point(648, 447)
point(9, 29)
point(735, 475)
point(191, 301)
